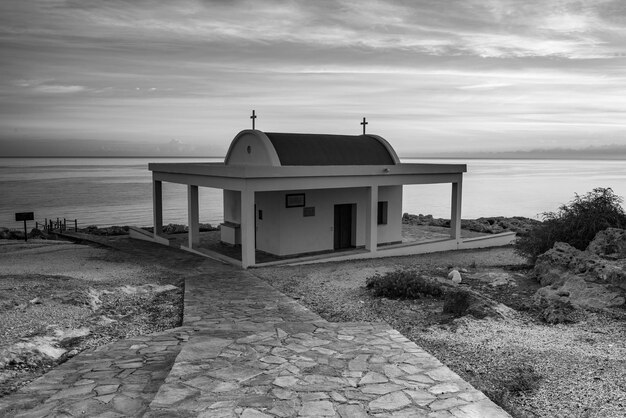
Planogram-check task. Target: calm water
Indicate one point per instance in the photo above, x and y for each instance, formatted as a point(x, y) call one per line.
point(106, 191)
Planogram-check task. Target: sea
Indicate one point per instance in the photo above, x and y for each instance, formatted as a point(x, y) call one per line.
point(118, 191)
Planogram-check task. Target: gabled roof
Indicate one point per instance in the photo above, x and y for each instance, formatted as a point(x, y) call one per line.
point(253, 147)
point(314, 149)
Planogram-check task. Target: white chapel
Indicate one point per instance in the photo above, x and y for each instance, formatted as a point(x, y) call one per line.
point(298, 195)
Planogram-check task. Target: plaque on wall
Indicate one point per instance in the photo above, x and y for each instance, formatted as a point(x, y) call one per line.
point(295, 200)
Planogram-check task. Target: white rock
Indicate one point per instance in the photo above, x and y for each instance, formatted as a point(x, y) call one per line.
point(455, 276)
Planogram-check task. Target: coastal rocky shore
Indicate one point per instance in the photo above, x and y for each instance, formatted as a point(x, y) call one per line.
point(489, 225)
point(115, 230)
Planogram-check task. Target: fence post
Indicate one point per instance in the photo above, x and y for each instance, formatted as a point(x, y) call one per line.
point(64, 224)
point(75, 225)
point(45, 228)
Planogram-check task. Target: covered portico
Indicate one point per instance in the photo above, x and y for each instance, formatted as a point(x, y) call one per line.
point(332, 197)
point(250, 180)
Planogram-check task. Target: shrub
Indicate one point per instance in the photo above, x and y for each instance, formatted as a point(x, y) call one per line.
point(456, 303)
point(516, 381)
point(576, 223)
point(402, 284)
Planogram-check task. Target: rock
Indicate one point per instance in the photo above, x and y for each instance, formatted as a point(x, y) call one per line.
point(551, 266)
point(590, 279)
point(460, 302)
point(496, 278)
point(104, 320)
point(455, 276)
point(207, 227)
point(116, 230)
point(146, 288)
point(581, 294)
point(389, 402)
point(174, 229)
point(89, 297)
point(493, 225)
point(610, 243)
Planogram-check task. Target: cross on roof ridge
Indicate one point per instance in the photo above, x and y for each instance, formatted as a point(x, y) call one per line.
point(253, 117)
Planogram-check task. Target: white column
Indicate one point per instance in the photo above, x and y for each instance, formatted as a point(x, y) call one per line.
point(157, 207)
point(371, 219)
point(247, 229)
point(193, 215)
point(455, 215)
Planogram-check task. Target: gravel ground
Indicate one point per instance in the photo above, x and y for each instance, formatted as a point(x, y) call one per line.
point(58, 298)
point(530, 368)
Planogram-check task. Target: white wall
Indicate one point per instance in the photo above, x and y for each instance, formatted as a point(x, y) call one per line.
point(285, 231)
point(268, 229)
point(392, 232)
point(232, 206)
point(259, 153)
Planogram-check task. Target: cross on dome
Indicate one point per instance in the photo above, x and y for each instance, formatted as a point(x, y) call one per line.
point(364, 123)
point(253, 117)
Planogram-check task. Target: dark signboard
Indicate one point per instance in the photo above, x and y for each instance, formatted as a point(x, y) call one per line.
point(25, 216)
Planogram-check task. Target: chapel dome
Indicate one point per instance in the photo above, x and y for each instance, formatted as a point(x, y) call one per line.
point(254, 147)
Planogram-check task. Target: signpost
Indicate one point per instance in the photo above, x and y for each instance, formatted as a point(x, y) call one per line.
point(24, 216)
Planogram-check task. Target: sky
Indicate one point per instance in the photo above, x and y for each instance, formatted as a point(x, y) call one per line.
point(429, 75)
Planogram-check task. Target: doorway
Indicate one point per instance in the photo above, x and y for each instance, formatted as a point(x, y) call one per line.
point(345, 226)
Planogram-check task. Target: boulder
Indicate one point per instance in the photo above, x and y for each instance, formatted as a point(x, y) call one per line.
point(556, 311)
point(115, 230)
point(562, 258)
point(590, 279)
point(174, 229)
point(464, 301)
point(610, 243)
point(580, 294)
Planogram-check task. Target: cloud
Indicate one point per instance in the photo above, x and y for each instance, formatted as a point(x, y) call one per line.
point(492, 70)
point(58, 89)
point(485, 86)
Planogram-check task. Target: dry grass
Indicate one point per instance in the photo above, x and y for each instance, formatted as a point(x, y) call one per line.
point(89, 305)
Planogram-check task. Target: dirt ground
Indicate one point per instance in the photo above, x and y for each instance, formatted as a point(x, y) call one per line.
point(58, 298)
point(530, 368)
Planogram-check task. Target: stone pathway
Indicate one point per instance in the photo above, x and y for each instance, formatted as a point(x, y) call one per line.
point(114, 380)
point(257, 353)
point(247, 350)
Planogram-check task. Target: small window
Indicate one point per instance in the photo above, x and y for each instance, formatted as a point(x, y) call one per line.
point(310, 211)
point(382, 213)
point(260, 214)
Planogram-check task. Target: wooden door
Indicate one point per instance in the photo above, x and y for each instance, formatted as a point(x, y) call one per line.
point(343, 226)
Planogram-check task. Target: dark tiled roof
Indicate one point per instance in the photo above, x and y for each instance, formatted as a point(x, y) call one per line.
point(312, 149)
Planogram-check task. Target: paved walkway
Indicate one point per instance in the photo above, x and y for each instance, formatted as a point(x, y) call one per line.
point(247, 350)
